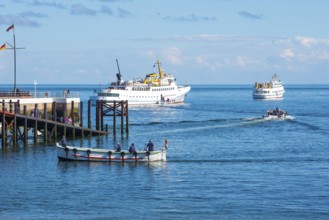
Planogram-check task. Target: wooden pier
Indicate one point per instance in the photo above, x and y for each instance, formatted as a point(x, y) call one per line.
point(46, 124)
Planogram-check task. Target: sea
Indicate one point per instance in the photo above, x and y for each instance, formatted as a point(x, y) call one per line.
point(225, 161)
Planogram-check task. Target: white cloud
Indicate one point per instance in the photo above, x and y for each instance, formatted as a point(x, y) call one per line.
point(150, 53)
point(306, 41)
point(287, 53)
point(244, 61)
point(173, 54)
point(204, 63)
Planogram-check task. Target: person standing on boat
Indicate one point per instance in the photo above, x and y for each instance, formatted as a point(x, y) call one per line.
point(118, 148)
point(150, 146)
point(132, 148)
point(63, 141)
point(166, 144)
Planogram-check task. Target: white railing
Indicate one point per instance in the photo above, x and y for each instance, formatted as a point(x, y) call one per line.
point(27, 94)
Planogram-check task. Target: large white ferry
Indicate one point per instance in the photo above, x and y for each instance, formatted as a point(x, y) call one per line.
point(156, 88)
point(269, 90)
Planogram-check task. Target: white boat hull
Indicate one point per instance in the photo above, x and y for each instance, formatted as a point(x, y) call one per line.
point(268, 94)
point(275, 114)
point(104, 155)
point(143, 97)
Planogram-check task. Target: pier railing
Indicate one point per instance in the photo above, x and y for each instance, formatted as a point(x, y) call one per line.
point(28, 94)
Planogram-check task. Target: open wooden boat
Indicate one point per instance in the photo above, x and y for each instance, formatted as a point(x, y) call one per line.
point(105, 155)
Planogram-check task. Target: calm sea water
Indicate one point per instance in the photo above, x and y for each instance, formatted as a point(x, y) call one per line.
point(224, 162)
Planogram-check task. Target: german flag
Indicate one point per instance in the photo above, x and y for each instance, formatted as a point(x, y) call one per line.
point(3, 47)
point(11, 27)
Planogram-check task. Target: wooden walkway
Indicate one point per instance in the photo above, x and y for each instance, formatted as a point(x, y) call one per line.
point(19, 125)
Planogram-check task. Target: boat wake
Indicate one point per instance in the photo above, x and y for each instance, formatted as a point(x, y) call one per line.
point(250, 160)
point(224, 124)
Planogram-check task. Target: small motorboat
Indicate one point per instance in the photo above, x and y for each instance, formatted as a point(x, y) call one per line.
point(275, 114)
point(105, 155)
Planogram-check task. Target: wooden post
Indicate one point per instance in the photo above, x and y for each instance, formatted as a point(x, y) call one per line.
point(97, 115)
point(89, 120)
point(64, 118)
point(53, 111)
point(10, 106)
point(101, 115)
point(114, 117)
point(15, 126)
point(54, 107)
point(72, 119)
point(36, 115)
point(25, 126)
point(45, 131)
point(18, 107)
point(4, 135)
point(81, 114)
point(72, 112)
point(64, 112)
point(127, 119)
point(122, 115)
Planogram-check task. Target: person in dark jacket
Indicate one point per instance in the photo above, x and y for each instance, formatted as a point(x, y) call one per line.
point(118, 148)
point(63, 141)
point(132, 148)
point(150, 146)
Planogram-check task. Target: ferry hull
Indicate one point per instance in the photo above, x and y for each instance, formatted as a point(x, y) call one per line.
point(268, 94)
point(144, 97)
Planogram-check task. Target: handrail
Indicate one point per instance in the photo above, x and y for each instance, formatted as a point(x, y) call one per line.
point(27, 94)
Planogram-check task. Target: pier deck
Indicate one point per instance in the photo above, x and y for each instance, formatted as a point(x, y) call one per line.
point(19, 125)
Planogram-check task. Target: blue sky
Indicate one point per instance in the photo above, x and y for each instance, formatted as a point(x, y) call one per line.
point(199, 42)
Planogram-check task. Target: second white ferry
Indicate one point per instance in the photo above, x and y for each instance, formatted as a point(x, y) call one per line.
point(156, 88)
point(269, 90)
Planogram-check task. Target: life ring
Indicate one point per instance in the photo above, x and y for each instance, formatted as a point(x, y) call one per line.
point(75, 152)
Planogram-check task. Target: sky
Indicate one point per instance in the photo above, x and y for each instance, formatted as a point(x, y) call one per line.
point(197, 41)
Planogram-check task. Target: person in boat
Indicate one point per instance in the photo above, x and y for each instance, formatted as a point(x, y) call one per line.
point(277, 110)
point(118, 148)
point(166, 144)
point(150, 146)
point(132, 148)
point(63, 141)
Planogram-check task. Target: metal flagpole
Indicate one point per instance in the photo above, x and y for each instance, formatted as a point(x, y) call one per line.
point(14, 48)
point(14, 62)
